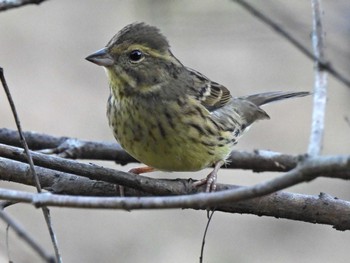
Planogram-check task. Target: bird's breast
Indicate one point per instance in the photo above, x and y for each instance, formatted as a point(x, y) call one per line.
point(171, 136)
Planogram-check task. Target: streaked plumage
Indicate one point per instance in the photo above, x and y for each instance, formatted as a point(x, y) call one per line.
point(166, 115)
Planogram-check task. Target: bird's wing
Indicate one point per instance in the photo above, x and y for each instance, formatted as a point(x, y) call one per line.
point(211, 95)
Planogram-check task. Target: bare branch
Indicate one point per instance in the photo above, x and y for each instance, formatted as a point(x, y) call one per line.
point(325, 65)
point(56, 181)
point(282, 205)
point(310, 168)
point(94, 172)
point(322, 209)
point(67, 147)
point(306, 171)
point(143, 183)
point(320, 86)
point(10, 4)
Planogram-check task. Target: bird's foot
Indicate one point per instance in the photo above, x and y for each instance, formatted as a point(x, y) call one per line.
point(211, 179)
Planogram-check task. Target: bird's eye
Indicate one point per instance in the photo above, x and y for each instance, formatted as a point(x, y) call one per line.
point(135, 55)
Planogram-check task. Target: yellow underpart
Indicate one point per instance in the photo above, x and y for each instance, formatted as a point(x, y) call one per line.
point(176, 146)
point(120, 79)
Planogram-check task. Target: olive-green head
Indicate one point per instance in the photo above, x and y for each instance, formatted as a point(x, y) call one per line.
point(137, 57)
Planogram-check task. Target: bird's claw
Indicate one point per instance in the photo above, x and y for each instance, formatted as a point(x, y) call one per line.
point(209, 181)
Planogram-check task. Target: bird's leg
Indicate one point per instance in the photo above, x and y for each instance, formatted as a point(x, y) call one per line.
point(141, 170)
point(211, 178)
point(137, 170)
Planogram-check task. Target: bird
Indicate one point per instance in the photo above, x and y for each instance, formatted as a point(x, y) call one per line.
point(168, 116)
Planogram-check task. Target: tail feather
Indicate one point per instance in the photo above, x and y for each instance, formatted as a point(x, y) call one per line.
point(248, 107)
point(267, 97)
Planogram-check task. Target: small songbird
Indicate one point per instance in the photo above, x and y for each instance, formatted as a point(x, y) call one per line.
point(168, 116)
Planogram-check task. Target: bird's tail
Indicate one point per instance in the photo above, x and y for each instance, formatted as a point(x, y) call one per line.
point(267, 97)
point(248, 107)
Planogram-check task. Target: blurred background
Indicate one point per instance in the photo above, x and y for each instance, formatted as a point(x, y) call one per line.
point(56, 91)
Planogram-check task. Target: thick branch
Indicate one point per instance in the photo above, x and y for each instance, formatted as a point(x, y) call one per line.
point(55, 181)
point(322, 209)
point(61, 182)
point(92, 171)
point(321, 166)
point(328, 166)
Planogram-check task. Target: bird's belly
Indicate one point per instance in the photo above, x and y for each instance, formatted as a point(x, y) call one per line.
point(167, 157)
point(174, 152)
point(166, 143)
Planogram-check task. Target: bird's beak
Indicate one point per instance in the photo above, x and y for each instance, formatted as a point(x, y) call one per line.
point(101, 58)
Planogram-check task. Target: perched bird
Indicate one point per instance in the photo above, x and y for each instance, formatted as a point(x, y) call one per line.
point(168, 116)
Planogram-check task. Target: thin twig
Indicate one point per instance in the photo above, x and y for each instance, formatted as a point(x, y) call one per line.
point(7, 243)
point(45, 210)
point(20, 231)
point(204, 235)
point(320, 85)
point(325, 65)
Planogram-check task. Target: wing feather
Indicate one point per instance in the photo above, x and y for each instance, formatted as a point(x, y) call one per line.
point(211, 94)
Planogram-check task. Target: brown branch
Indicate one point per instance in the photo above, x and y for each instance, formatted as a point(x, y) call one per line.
point(322, 209)
point(143, 183)
point(325, 65)
point(6, 5)
point(94, 172)
point(70, 184)
point(57, 182)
